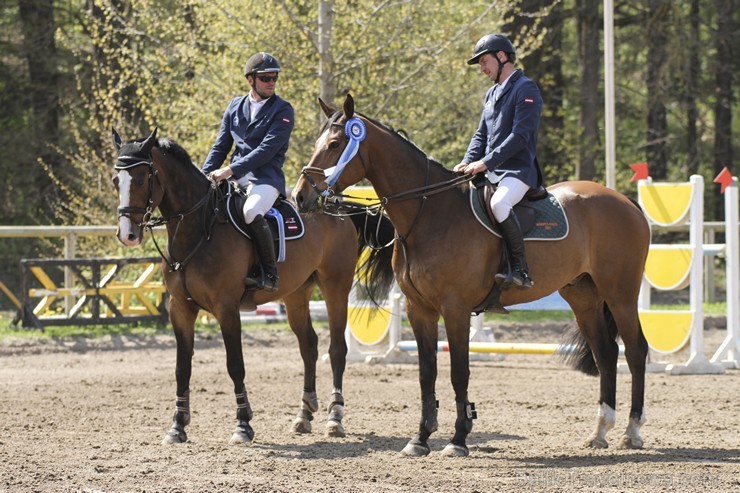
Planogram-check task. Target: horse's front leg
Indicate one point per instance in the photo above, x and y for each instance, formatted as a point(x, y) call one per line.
point(336, 295)
point(424, 325)
point(458, 330)
point(182, 316)
point(232, 333)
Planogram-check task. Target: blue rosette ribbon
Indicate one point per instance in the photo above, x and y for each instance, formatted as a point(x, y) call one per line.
point(356, 132)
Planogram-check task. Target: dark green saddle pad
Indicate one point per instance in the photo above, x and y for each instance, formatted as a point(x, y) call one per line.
point(541, 219)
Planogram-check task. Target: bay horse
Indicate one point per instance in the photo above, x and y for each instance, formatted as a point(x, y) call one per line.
point(445, 261)
point(205, 263)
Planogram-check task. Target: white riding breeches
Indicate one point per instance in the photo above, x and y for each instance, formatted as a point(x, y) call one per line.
point(510, 191)
point(260, 198)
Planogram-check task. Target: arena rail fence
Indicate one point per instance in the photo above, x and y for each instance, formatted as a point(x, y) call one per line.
point(73, 291)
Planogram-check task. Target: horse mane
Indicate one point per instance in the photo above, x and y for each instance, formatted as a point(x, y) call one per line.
point(174, 149)
point(400, 134)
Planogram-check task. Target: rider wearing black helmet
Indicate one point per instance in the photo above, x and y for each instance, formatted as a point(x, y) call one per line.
point(505, 145)
point(258, 125)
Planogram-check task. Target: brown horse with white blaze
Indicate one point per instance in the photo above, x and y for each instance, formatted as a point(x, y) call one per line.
point(445, 262)
point(207, 259)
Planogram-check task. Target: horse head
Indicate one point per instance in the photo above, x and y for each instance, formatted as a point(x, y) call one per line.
point(139, 189)
point(338, 161)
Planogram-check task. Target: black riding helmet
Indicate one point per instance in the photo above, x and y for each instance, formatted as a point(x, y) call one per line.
point(261, 62)
point(491, 43)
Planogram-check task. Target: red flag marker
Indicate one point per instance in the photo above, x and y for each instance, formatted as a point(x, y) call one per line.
point(641, 171)
point(724, 178)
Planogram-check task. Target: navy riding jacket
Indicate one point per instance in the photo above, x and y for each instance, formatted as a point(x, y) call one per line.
point(259, 146)
point(506, 139)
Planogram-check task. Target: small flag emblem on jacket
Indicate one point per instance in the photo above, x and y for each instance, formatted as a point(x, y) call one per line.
point(529, 100)
point(286, 120)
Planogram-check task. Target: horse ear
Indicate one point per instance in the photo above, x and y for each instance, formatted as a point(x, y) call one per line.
point(349, 106)
point(328, 110)
point(117, 142)
point(149, 142)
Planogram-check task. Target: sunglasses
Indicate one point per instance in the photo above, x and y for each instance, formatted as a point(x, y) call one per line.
point(268, 78)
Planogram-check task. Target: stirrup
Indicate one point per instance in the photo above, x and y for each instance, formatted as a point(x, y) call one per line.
point(251, 283)
point(521, 280)
point(518, 279)
point(270, 283)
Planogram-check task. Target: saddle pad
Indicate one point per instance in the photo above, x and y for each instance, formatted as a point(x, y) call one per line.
point(283, 218)
point(550, 222)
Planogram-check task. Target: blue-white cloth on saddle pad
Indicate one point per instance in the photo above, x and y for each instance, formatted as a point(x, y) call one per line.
point(283, 218)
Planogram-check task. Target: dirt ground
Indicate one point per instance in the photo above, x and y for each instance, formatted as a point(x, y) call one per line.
point(89, 416)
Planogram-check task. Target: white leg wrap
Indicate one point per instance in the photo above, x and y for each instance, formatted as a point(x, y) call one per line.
point(607, 416)
point(631, 438)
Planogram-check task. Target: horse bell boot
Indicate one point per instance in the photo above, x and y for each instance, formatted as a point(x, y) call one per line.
point(519, 272)
point(263, 242)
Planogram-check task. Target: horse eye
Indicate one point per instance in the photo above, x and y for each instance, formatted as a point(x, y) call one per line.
point(333, 145)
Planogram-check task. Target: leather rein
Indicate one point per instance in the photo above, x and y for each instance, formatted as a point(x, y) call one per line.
point(330, 197)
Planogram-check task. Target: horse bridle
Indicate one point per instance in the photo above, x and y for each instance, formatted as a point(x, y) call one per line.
point(125, 163)
point(148, 222)
point(329, 192)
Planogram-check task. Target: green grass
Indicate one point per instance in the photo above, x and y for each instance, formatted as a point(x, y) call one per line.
point(531, 316)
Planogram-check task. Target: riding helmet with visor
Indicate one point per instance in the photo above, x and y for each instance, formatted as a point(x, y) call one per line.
point(491, 43)
point(261, 62)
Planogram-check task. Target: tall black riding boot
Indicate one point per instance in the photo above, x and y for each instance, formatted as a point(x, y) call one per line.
point(519, 274)
point(262, 239)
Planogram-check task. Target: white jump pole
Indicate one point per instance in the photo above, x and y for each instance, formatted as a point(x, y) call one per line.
point(728, 353)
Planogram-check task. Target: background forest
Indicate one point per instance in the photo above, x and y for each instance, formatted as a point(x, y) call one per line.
point(72, 69)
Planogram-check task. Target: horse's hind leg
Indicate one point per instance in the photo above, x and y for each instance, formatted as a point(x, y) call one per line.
point(299, 319)
point(182, 316)
point(635, 351)
point(588, 308)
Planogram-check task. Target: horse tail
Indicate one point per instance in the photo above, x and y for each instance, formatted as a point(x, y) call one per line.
point(375, 272)
point(579, 354)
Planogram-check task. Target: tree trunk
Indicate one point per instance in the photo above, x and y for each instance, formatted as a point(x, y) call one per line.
point(39, 48)
point(692, 72)
point(588, 27)
point(327, 83)
point(726, 29)
point(657, 123)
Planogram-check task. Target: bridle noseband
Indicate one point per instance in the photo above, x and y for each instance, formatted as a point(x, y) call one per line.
point(126, 163)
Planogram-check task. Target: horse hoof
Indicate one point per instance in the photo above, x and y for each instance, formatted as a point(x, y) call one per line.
point(240, 437)
point(174, 437)
point(630, 443)
point(597, 443)
point(335, 429)
point(301, 425)
point(452, 450)
point(415, 450)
